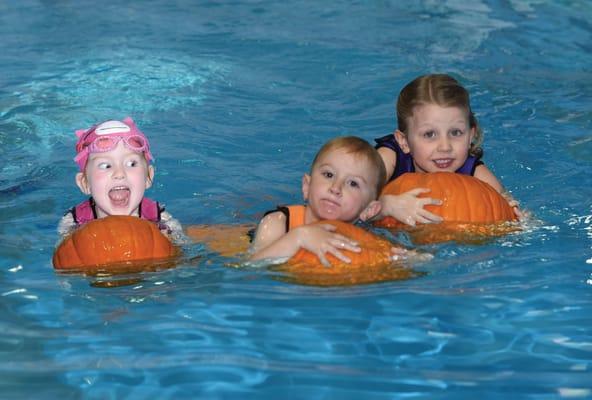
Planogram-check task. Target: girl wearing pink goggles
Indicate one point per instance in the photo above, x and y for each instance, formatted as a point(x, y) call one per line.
point(105, 136)
point(115, 178)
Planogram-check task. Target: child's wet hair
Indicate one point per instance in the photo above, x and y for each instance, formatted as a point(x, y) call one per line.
point(440, 89)
point(361, 148)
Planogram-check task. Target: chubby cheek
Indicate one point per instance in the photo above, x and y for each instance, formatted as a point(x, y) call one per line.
point(96, 181)
point(141, 181)
point(355, 200)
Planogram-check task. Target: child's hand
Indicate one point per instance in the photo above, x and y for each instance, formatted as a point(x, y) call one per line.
point(321, 239)
point(515, 206)
point(409, 208)
point(402, 254)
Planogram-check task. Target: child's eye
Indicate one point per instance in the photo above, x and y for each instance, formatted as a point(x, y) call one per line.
point(456, 132)
point(103, 165)
point(354, 184)
point(327, 174)
point(131, 163)
point(429, 134)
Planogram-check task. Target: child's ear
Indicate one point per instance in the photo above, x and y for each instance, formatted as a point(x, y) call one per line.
point(305, 186)
point(401, 138)
point(472, 134)
point(150, 176)
point(82, 183)
point(371, 210)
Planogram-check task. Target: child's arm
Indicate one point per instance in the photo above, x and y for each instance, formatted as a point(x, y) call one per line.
point(406, 207)
point(172, 228)
point(389, 158)
point(484, 174)
point(67, 225)
point(272, 240)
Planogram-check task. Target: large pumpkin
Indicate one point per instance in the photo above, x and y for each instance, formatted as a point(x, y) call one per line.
point(373, 264)
point(112, 242)
point(471, 209)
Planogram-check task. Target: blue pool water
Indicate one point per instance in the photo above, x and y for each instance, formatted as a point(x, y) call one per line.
point(236, 97)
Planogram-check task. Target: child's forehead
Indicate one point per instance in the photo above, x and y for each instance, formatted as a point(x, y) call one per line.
point(352, 162)
point(435, 108)
point(343, 152)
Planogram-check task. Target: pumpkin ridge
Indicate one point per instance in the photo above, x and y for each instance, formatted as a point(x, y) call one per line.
point(77, 247)
point(467, 201)
point(141, 241)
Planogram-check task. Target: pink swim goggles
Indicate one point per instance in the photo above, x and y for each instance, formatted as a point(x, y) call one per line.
point(105, 136)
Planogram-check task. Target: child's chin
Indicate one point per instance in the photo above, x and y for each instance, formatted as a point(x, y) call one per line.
point(334, 217)
point(120, 212)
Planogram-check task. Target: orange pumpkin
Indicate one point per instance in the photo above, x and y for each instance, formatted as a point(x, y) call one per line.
point(373, 264)
point(471, 208)
point(111, 243)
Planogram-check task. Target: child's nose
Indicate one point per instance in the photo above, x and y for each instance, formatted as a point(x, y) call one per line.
point(444, 144)
point(336, 186)
point(118, 172)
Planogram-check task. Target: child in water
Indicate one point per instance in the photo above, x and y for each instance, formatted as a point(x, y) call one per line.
point(114, 160)
point(346, 176)
point(437, 131)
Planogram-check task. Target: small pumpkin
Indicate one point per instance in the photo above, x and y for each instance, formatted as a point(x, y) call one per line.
point(373, 264)
point(469, 207)
point(113, 241)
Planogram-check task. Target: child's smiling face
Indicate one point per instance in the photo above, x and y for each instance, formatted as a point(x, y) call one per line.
point(116, 180)
point(438, 138)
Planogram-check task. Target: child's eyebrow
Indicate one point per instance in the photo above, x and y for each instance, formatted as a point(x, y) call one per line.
point(361, 178)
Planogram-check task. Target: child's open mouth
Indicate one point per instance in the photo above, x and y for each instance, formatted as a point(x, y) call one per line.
point(119, 196)
point(443, 162)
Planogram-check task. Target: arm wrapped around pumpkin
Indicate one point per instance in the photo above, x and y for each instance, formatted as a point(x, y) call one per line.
point(469, 207)
point(373, 260)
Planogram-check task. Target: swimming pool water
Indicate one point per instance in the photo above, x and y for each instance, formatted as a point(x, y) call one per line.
point(236, 97)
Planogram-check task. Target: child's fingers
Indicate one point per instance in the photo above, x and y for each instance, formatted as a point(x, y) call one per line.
point(398, 253)
point(323, 259)
point(422, 220)
point(327, 227)
point(345, 243)
point(339, 255)
point(427, 217)
point(430, 201)
point(519, 213)
point(409, 220)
